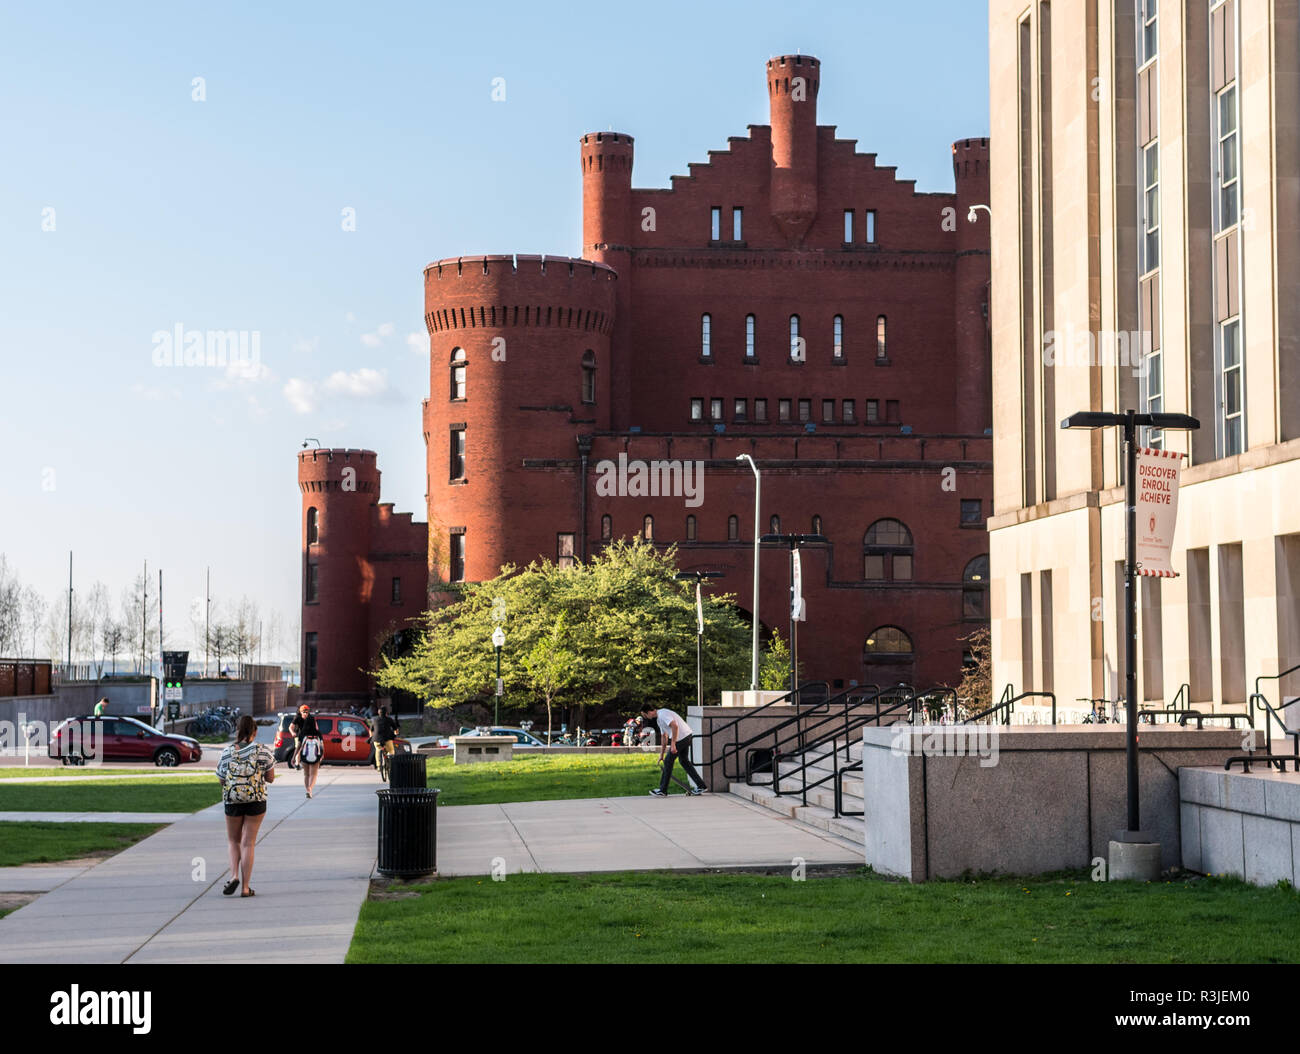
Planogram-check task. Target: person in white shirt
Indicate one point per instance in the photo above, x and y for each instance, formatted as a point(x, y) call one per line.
point(675, 737)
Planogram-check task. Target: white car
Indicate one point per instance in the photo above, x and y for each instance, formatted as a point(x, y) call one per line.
point(522, 738)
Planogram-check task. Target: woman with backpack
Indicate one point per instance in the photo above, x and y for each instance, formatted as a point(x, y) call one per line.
point(244, 769)
point(311, 747)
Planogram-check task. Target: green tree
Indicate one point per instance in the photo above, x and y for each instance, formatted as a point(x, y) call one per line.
point(623, 626)
point(774, 665)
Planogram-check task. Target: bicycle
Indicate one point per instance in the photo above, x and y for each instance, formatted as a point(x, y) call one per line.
point(384, 759)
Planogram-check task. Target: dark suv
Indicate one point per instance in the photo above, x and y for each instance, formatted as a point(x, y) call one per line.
point(114, 738)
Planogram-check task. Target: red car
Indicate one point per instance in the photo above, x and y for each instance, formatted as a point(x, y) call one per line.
point(346, 738)
point(119, 739)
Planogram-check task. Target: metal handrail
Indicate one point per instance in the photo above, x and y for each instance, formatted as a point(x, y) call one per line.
point(801, 731)
point(1185, 694)
point(1258, 694)
point(1007, 705)
point(733, 725)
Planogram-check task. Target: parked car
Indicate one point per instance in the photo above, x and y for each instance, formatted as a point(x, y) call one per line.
point(346, 738)
point(114, 738)
point(522, 738)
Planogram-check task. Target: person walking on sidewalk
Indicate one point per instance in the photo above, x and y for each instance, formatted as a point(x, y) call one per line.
point(675, 737)
point(244, 769)
point(311, 747)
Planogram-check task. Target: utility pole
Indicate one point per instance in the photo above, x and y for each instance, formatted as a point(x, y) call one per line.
point(144, 616)
point(207, 621)
point(69, 614)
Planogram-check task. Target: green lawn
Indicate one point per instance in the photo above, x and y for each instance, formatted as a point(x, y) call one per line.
point(16, 772)
point(36, 843)
point(161, 794)
point(658, 917)
point(543, 777)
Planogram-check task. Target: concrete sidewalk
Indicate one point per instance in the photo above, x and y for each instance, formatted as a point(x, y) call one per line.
point(160, 901)
point(628, 834)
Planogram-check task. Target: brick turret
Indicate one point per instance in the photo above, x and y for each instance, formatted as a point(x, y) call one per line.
point(973, 366)
point(792, 84)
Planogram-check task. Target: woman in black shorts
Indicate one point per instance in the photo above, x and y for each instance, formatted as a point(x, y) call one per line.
point(245, 768)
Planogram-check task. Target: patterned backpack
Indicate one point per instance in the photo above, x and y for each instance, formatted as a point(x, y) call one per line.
point(245, 779)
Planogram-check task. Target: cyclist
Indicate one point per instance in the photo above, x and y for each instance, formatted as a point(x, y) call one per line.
point(385, 728)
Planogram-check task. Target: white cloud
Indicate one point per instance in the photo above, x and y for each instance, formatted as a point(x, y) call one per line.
point(250, 371)
point(386, 330)
point(417, 342)
point(364, 383)
point(370, 340)
point(381, 333)
point(301, 395)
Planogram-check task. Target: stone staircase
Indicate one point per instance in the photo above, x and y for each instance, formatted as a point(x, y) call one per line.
point(819, 813)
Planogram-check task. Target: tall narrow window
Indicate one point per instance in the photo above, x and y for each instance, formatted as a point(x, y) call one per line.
point(1231, 403)
point(715, 409)
point(882, 346)
point(816, 525)
point(737, 224)
point(828, 411)
point(837, 338)
point(1150, 208)
point(740, 410)
point(697, 409)
point(796, 342)
point(873, 411)
point(690, 528)
point(458, 364)
point(783, 409)
point(774, 525)
point(751, 346)
point(606, 528)
point(975, 589)
point(733, 528)
point(760, 409)
point(871, 226)
point(313, 583)
point(589, 377)
point(706, 335)
point(715, 223)
point(313, 526)
point(396, 590)
point(849, 411)
point(457, 563)
point(1149, 32)
point(805, 410)
point(848, 226)
point(457, 467)
point(1225, 130)
point(564, 550)
point(648, 528)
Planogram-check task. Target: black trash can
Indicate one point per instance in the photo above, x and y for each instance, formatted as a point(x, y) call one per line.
point(408, 832)
point(407, 771)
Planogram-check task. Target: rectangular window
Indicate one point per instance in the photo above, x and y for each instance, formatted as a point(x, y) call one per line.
point(715, 409)
point(849, 411)
point(564, 550)
point(1227, 159)
point(1027, 631)
point(397, 590)
point(874, 569)
point(828, 411)
point(706, 335)
point(1230, 395)
point(737, 224)
point(882, 348)
point(1232, 625)
point(740, 409)
point(972, 511)
point(1149, 36)
point(783, 409)
point(837, 337)
point(760, 409)
point(313, 583)
point(902, 567)
point(891, 412)
point(1200, 637)
point(309, 664)
point(750, 345)
point(457, 565)
point(697, 409)
point(805, 409)
point(848, 226)
point(873, 411)
point(715, 223)
point(457, 467)
point(1150, 208)
point(871, 226)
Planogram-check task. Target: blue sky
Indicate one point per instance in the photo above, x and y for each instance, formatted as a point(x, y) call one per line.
point(226, 214)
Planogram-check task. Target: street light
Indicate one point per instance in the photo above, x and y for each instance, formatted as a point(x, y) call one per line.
point(758, 493)
point(1130, 421)
point(698, 577)
point(498, 641)
point(794, 541)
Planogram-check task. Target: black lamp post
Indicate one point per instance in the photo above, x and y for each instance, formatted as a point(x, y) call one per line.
point(698, 577)
point(793, 542)
point(1130, 421)
point(498, 641)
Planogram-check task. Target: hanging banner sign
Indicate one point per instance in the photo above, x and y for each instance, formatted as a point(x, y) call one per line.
point(796, 591)
point(1157, 510)
point(699, 608)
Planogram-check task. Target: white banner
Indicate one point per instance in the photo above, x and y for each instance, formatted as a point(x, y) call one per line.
point(1157, 510)
point(796, 591)
point(699, 608)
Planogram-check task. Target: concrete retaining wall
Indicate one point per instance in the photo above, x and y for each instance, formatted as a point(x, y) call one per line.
point(1051, 800)
point(1244, 824)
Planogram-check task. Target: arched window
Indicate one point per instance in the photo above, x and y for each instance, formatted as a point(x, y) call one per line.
point(837, 338)
point(733, 528)
point(887, 642)
point(706, 335)
point(690, 528)
point(751, 344)
point(887, 552)
point(648, 529)
point(796, 344)
point(458, 364)
point(313, 526)
point(606, 528)
point(774, 525)
point(816, 525)
point(588, 376)
point(975, 588)
point(882, 350)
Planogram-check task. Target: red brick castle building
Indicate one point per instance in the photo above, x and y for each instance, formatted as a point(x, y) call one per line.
point(790, 300)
